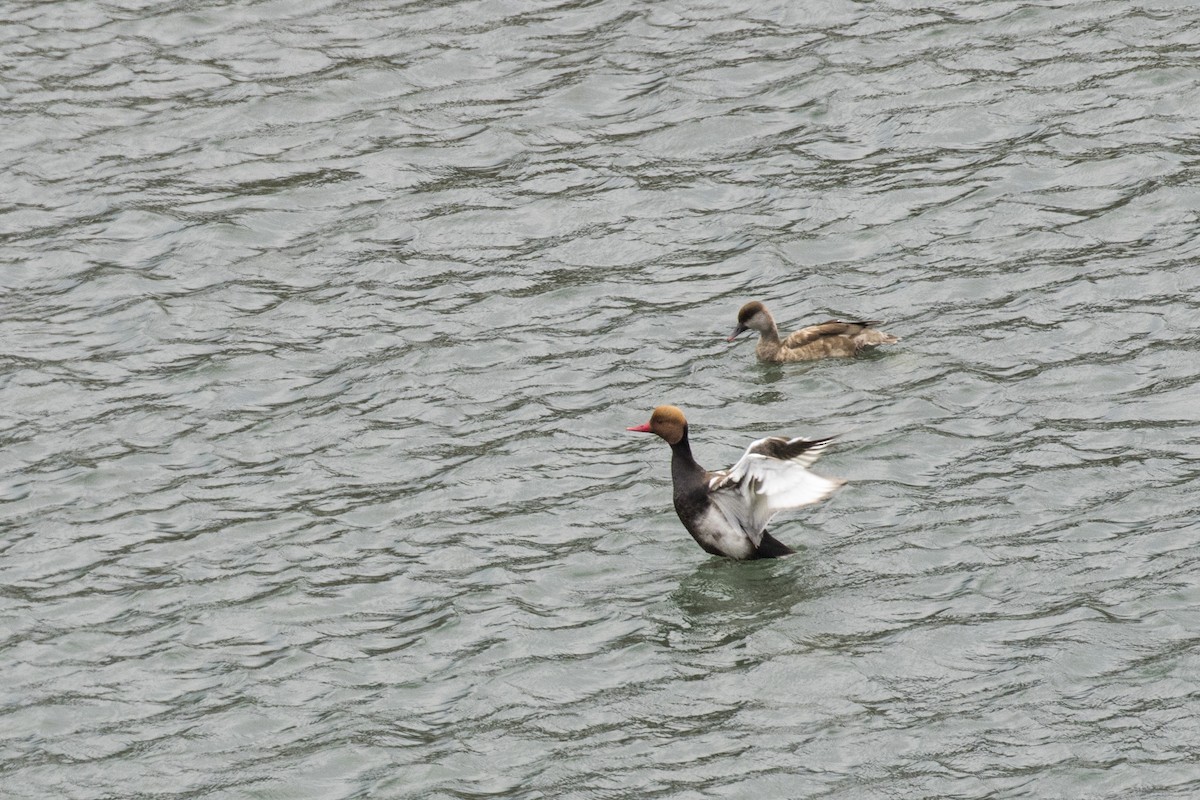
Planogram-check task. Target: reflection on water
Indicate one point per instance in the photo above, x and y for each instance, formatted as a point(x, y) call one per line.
point(729, 600)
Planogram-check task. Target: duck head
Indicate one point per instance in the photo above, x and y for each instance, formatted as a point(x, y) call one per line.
point(666, 421)
point(752, 316)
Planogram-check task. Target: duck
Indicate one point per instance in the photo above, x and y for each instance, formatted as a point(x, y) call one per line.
point(830, 339)
point(727, 512)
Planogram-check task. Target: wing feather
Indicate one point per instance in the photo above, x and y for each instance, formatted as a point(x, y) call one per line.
point(771, 476)
point(802, 451)
point(830, 327)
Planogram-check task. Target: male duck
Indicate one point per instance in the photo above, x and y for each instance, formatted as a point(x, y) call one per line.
point(727, 512)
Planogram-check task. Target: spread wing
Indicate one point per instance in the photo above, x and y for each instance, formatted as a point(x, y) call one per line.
point(772, 475)
point(832, 327)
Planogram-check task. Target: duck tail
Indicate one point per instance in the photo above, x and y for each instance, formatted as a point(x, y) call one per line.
point(872, 337)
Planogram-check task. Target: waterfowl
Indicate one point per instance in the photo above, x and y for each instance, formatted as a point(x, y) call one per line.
point(830, 339)
point(727, 512)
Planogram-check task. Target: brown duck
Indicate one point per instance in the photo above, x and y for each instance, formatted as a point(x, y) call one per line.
point(727, 512)
point(831, 339)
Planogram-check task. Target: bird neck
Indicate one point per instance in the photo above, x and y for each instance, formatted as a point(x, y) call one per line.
point(770, 331)
point(682, 460)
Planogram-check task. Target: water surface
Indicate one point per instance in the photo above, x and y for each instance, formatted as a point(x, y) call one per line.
point(322, 323)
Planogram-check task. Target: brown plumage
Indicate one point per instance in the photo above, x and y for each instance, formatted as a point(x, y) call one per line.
point(831, 339)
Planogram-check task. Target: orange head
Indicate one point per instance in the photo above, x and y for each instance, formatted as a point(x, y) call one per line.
point(666, 421)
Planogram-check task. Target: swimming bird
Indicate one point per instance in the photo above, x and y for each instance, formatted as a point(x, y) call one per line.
point(727, 512)
point(832, 338)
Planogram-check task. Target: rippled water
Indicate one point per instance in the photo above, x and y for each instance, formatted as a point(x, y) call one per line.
point(322, 323)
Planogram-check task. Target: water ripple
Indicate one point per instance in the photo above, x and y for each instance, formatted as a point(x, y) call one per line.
point(322, 325)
